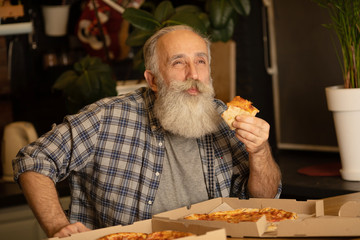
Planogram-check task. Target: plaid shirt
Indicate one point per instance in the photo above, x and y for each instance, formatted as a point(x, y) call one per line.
point(113, 153)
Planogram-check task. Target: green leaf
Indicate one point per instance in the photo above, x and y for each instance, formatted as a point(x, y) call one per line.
point(138, 61)
point(189, 19)
point(90, 80)
point(220, 13)
point(93, 78)
point(107, 88)
point(79, 66)
point(141, 19)
point(65, 79)
point(163, 11)
point(84, 85)
point(138, 37)
point(242, 7)
point(223, 34)
point(188, 8)
point(205, 19)
point(99, 68)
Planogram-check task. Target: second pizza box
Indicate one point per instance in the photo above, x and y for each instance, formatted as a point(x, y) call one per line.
point(304, 209)
point(148, 226)
point(345, 224)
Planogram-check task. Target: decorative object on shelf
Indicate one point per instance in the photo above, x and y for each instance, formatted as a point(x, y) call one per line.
point(344, 100)
point(90, 81)
point(102, 30)
point(98, 30)
point(7, 10)
point(56, 18)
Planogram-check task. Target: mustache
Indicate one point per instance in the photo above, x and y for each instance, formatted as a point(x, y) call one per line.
point(190, 83)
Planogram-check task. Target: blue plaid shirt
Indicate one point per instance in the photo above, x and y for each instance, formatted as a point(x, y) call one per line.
point(112, 152)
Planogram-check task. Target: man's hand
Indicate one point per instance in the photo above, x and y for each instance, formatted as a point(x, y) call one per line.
point(70, 229)
point(253, 132)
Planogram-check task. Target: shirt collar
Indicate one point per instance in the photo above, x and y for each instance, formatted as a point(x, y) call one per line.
point(149, 98)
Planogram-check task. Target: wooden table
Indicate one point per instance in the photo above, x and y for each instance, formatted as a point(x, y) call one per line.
point(331, 207)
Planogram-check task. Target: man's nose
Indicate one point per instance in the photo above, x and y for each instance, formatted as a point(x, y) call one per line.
point(192, 71)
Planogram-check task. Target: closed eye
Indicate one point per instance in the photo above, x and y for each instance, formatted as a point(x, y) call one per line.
point(177, 63)
point(201, 61)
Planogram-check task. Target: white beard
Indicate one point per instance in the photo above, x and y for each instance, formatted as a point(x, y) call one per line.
point(184, 114)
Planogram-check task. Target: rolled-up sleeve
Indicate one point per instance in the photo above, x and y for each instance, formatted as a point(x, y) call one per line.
point(47, 155)
point(63, 149)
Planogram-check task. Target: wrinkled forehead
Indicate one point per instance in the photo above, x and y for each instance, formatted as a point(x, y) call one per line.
point(181, 42)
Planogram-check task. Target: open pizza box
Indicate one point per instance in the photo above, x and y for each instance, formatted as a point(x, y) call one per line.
point(346, 224)
point(260, 228)
point(153, 225)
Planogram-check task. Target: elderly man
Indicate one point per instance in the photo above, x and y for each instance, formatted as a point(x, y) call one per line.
point(159, 148)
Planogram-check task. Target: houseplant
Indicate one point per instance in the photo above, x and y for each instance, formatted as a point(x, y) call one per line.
point(344, 100)
point(90, 80)
point(215, 18)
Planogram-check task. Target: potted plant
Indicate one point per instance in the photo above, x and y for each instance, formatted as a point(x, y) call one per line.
point(89, 81)
point(344, 100)
point(215, 18)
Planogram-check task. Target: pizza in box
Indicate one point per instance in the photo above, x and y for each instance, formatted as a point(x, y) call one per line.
point(272, 215)
point(160, 235)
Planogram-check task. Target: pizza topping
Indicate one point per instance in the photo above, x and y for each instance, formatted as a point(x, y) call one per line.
point(167, 235)
point(245, 215)
point(160, 235)
point(244, 104)
point(276, 215)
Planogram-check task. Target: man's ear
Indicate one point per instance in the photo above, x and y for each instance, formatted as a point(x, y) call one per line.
point(150, 79)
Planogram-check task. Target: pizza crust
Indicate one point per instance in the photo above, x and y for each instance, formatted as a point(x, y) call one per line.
point(238, 106)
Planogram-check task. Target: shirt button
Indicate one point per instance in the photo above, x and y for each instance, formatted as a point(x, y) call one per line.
point(157, 174)
point(150, 202)
point(160, 144)
point(153, 127)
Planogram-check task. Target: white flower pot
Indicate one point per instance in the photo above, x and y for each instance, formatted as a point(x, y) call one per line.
point(345, 105)
point(56, 19)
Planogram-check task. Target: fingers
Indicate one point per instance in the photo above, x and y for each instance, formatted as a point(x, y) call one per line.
point(252, 126)
point(71, 229)
point(252, 131)
point(245, 119)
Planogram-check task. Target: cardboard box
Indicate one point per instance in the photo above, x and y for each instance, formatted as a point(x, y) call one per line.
point(148, 226)
point(304, 209)
point(325, 226)
point(346, 224)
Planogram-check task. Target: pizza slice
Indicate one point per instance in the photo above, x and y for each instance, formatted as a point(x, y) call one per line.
point(167, 235)
point(124, 236)
point(238, 106)
point(272, 215)
point(160, 235)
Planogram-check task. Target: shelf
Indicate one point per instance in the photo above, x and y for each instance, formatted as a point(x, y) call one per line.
point(16, 28)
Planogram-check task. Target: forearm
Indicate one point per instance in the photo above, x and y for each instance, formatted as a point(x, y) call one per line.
point(42, 198)
point(265, 175)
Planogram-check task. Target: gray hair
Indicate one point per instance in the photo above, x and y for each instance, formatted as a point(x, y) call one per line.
point(149, 49)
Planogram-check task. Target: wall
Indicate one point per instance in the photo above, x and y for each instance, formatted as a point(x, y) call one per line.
point(306, 63)
point(252, 80)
